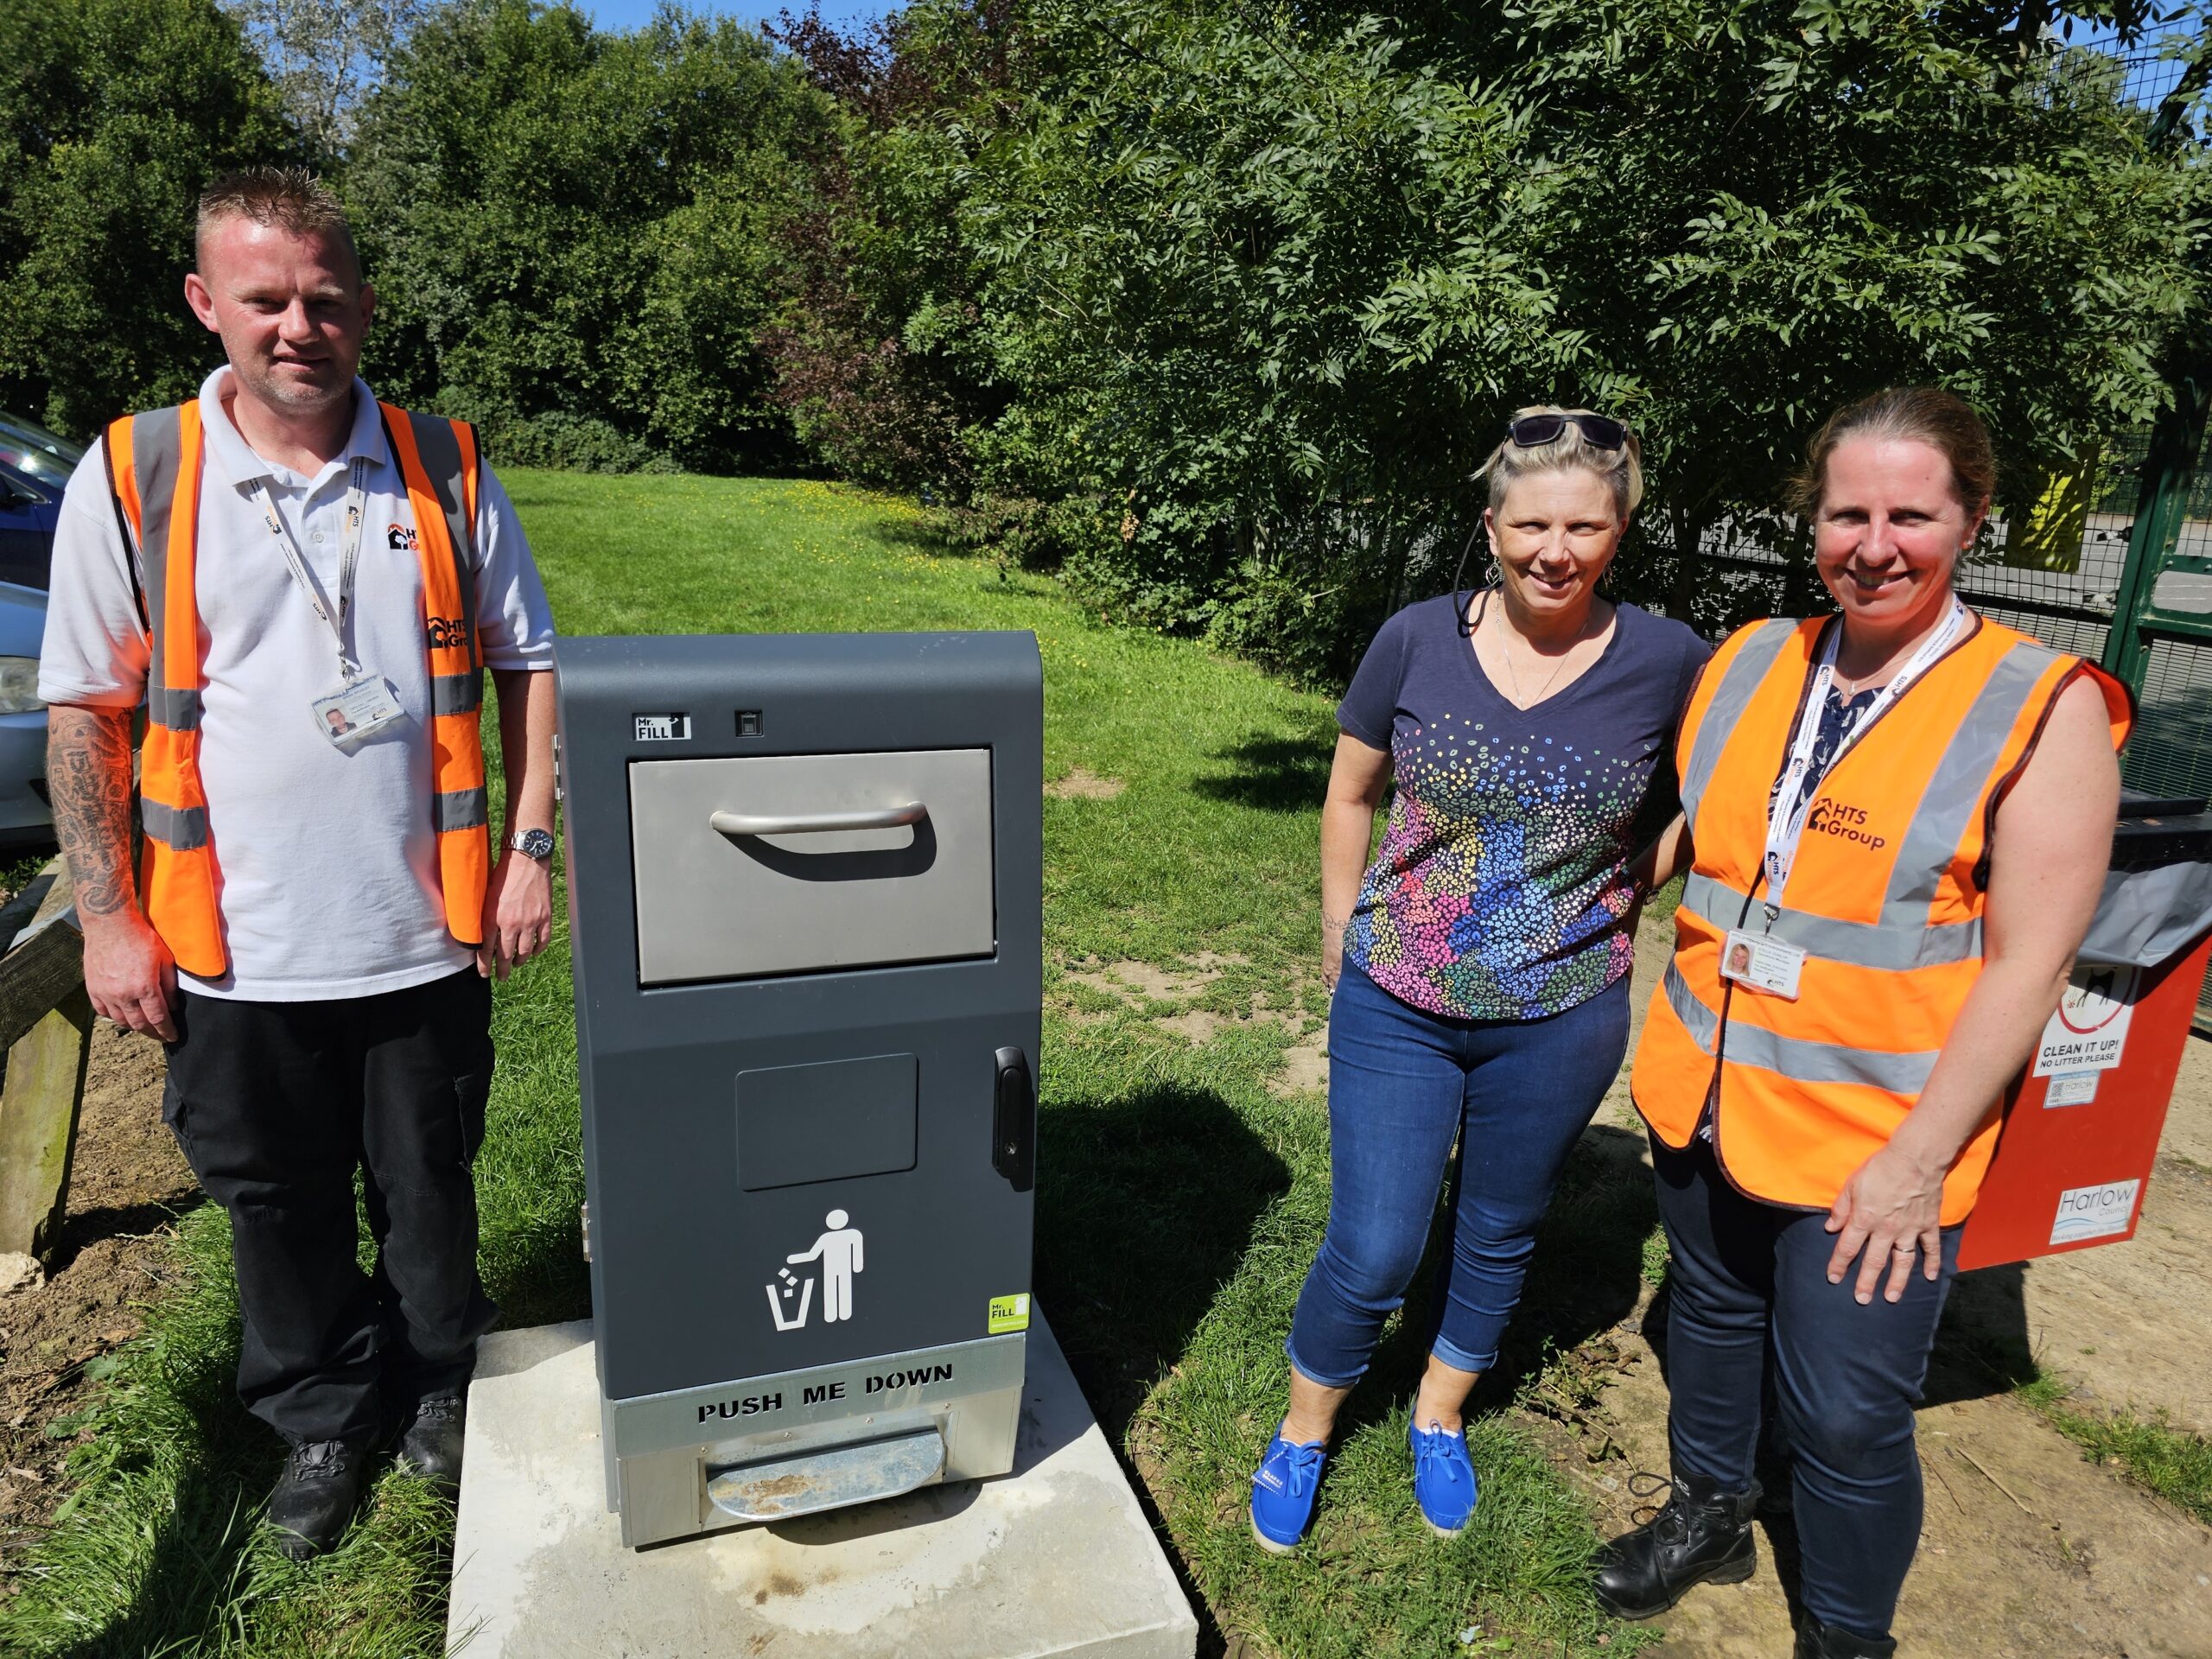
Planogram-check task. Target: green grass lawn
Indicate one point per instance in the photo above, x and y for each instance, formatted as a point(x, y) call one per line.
point(1179, 1200)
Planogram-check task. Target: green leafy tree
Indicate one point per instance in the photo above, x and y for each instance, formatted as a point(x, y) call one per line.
point(324, 56)
point(1262, 285)
point(571, 231)
point(114, 115)
point(1766, 207)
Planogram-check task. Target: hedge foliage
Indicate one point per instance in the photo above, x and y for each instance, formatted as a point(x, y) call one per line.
point(1260, 285)
point(1214, 305)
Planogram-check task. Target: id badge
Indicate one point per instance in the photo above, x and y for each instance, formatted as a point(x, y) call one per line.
point(1763, 962)
point(356, 710)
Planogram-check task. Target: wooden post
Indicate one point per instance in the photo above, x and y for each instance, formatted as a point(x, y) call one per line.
point(46, 1019)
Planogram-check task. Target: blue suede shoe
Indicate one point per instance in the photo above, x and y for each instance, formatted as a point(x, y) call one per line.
point(1282, 1493)
point(1444, 1479)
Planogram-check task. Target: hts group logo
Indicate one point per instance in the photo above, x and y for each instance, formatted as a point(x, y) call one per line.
point(445, 633)
point(400, 538)
point(1845, 823)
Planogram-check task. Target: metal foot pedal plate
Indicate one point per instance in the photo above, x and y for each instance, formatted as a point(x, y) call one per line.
point(831, 1478)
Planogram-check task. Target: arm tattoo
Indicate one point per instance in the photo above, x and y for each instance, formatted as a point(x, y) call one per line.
point(88, 774)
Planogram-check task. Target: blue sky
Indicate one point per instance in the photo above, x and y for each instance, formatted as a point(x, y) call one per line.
point(628, 14)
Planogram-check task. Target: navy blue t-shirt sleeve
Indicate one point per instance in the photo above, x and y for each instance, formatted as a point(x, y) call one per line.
point(1665, 798)
point(1370, 709)
point(1695, 654)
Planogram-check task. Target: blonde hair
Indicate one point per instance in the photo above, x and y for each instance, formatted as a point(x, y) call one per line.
point(1621, 469)
point(292, 198)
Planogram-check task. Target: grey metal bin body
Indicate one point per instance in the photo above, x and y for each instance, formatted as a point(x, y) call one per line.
point(805, 1057)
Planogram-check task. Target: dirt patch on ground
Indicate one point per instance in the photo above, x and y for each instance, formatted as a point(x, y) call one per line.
point(127, 1185)
point(2026, 1551)
point(1137, 983)
point(1082, 785)
point(1182, 1000)
point(1304, 1067)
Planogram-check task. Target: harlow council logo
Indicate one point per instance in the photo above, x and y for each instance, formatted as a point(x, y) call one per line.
point(1845, 823)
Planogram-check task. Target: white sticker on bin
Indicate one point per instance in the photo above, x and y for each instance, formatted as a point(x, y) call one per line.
point(2072, 1088)
point(2089, 1031)
point(2095, 1211)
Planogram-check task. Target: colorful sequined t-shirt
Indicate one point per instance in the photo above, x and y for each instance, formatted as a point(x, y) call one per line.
point(1501, 888)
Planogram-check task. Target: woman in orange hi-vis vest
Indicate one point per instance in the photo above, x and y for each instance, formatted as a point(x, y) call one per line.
point(1896, 822)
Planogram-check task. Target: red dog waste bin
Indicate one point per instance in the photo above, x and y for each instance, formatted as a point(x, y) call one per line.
point(2081, 1124)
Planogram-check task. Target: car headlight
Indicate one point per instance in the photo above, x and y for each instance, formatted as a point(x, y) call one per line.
point(19, 685)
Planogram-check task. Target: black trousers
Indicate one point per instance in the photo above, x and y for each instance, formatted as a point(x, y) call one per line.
point(277, 1105)
point(1750, 1316)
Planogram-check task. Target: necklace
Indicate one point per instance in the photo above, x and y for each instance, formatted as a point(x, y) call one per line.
point(1505, 649)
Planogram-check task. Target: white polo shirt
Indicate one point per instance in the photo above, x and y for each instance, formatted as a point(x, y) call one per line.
point(328, 859)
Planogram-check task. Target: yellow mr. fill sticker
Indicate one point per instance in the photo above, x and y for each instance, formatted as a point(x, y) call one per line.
point(1009, 1313)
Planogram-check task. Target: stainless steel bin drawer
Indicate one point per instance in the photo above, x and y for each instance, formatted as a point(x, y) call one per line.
point(750, 866)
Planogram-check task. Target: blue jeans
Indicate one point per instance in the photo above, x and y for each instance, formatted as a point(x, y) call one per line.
point(1403, 1085)
point(1751, 1313)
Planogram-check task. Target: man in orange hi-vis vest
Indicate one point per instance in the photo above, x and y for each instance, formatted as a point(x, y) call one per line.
point(304, 587)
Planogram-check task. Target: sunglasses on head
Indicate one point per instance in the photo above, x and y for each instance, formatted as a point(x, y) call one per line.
point(1534, 431)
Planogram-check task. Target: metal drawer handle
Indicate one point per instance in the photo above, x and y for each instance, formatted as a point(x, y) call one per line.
point(816, 824)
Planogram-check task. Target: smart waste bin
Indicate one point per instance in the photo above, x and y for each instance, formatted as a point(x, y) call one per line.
point(2082, 1122)
point(805, 911)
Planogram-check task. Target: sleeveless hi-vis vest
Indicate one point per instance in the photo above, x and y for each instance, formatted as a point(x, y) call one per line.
point(155, 465)
point(1886, 897)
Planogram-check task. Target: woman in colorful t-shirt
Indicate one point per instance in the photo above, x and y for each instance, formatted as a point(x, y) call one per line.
point(1480, 964)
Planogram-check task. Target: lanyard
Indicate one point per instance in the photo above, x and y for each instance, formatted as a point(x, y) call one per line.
point(349, 560)
point(1792, 800)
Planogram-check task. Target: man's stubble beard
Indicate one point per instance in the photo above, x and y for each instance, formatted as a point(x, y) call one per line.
point(275, 392)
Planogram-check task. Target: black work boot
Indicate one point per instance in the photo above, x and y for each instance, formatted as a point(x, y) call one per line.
point(1819, 1641)
point(315, 1495)
point(430, 1449)
point(1703, 1535)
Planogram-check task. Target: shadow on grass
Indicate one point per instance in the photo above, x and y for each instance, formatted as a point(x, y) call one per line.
point(1144, 1207)
point(86, 1228)
point(1274, 774)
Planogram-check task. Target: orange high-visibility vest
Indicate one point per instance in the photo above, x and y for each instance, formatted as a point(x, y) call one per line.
point(155, 465)
point(1886, 897)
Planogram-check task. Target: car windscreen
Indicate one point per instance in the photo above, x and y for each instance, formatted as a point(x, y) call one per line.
point(30, 447)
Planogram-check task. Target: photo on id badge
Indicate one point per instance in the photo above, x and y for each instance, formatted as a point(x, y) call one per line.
point(357, 711)
point(1763, 962)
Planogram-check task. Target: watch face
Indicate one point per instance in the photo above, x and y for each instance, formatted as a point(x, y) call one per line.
point(535, 843)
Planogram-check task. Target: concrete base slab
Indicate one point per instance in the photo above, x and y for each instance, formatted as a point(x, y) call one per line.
point(1055, 1558)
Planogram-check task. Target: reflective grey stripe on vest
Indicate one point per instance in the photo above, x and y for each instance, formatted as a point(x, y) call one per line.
point(180, 828)
point(1745, 673)
point(456, 694)
point(1807, 1062)
point(1902, 940)
point(1794, 1057)
point(1960, 779)
point(439, 452)
point(157, 456)
point(167, 706)
point(1701, 1021)
point(460, 809)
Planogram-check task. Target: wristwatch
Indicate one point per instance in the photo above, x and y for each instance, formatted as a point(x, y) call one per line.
point(533, 843)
